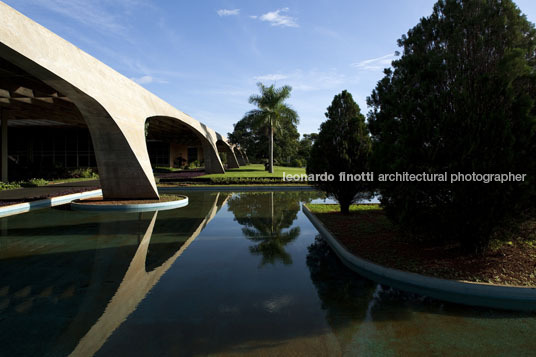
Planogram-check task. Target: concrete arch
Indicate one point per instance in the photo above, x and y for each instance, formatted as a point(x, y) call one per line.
point(242, 160)
point(223, 146)
point(113, 106)
point(212, 160)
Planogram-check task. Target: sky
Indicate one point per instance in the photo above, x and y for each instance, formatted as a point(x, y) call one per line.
point(205, 57)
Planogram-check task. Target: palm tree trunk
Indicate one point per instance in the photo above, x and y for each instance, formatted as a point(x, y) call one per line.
point(272, 211)
point(271, 150)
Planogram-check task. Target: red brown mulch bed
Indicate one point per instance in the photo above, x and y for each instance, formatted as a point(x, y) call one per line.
point(63, 192)
point(369, 234)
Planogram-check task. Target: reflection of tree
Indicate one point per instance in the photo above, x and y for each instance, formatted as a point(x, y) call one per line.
point(271, 246)
point(267, 219)
point(344, 294)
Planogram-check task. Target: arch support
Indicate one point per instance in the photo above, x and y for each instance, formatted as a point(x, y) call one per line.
point(239, 157)
point(124, 167)
point(213, 163)
point(223, 146)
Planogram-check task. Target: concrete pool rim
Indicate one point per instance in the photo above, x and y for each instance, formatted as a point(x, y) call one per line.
point(24, 207)
point(238, 188)
point(79, 205)
point(467, 293)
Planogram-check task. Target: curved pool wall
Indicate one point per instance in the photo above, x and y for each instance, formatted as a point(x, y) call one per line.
point(140, 207)
point(231, 273)
point(46, 203)
point(475, 294)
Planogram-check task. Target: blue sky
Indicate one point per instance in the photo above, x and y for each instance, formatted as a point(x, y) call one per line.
point(205, 57)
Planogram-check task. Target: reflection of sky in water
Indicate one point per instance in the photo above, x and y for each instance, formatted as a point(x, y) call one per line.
point(221, 276)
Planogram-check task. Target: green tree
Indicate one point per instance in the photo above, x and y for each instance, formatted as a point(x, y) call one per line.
point(271, 114)
point(254, 141)
point(304, 148)
point(343, 145)
point(459, 99)
point(267, 219)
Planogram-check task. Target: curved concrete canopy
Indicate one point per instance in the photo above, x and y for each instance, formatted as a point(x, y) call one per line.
point(114, 107)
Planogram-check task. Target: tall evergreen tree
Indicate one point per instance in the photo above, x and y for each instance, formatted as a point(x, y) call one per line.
point(460, 99)
point(343, 145)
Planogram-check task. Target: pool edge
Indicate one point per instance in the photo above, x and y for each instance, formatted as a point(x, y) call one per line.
point(473, 294)
point(24, 207)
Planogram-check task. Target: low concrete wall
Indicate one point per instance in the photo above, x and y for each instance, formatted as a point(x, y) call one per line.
point(229, 188)
point(474, 294)
point(45, 203)
point(140, 207)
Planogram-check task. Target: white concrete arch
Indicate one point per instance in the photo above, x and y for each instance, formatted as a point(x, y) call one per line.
point(212, 160)
point(114, 107)
point(224, 146)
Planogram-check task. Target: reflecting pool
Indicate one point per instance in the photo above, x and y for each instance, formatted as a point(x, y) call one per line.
point(230, 274)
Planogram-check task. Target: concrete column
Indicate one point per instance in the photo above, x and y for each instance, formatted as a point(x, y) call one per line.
point(232, 162)
point(124, 166)
point(213, 164)
point(239, 157)
point(3, 117)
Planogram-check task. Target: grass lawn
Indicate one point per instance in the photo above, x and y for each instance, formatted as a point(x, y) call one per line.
point(67, 180)
point(41, 182)
point(366, 232)
point(257, 170)
point(190, 184)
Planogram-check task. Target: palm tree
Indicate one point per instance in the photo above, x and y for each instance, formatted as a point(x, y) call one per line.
point(267, 219)
point(271, 112)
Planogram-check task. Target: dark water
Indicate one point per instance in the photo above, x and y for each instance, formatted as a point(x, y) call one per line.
point(231, 274)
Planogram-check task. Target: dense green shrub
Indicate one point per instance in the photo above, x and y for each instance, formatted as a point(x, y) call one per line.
point(193, 165)
point(343, 145)
point(459, 99)
point(297, 162)
point(245, 180)
point(34, 182)
point(87, 172)
point(9, 185)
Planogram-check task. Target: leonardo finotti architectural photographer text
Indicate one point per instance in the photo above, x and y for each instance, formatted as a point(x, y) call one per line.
point(408, 177)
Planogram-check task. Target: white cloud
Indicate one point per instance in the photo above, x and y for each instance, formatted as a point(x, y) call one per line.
point(307, 81)
point(253, 16)
point(375, 64)
point(227, 12)
point(85, 12)
point(143, 79)
point(147, 79)
point(271, 77)
point(275, 18)
point(278, 303)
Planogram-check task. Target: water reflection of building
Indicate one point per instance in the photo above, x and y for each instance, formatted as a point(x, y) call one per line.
point(66, 288)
